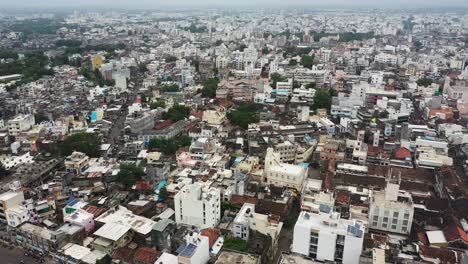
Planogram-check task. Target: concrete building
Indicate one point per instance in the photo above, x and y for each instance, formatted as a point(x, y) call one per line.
point(198, 205)
point(20, 123)
point(247, 220)
point(287, 151)
point(76, 163)
point(391, 210)
point(283, 174)
point(325, 236)
point(10, 199)
point(196, 250)
point(139, 122)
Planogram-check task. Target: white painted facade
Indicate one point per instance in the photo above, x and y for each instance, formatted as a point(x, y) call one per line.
point(20, 123)
point(391, 210)
point(327, 237)
point(283, 174)
point(198, 205)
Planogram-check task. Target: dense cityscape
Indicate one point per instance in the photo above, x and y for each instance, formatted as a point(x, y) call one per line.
point(234, 135)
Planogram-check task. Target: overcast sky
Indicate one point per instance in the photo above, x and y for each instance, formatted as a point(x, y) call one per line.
point(155, 3)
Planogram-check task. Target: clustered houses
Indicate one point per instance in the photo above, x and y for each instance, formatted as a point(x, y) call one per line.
point(240, 137)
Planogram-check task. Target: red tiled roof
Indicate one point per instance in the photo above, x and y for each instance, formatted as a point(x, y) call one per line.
point(343, 197)
point(444, 255)
point(239, 200)
point(146, 255)
point(423, 238)
point(402, 153)
point(163, 124)
point(143, 185)
point(96, 211)
point(212, 234)
point(454, 231)
point(126, 254)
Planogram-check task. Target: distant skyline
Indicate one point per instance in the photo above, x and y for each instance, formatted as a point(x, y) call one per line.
point(180, 3)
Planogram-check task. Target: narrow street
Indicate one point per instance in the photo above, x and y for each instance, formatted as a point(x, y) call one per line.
point(287, 232)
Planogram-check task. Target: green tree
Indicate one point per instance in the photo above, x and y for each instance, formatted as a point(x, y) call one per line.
point(3, 170)
point(235, 243)
point(242, 47)
point(244, 115)
point(424, 82)
point(129, 173)
point(8, 54)
point(383, 114)
point(156, 105)
point(322, 99)
point(163, 194)
point(142, 67)
point(88, 143)
point(292, 62)
point(307, 61)
point(210, 87)
point(178, 112)
point(276, 77)
point(169, 88)
point(166, 146)
point(105, 260)
point(227, 205)
point(170, 59)
point(265, 50)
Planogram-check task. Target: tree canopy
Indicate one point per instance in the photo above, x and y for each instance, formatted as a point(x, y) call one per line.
point(307, 61)
point(129, 173)
point(235, 243)
point(88, 143)
point(169, 146)
point(276, 77)
point(424, 82)
point(244, 115)
point(209, 87)
point(3, 170)
point(178, 112)
point(322, 99)
point(169, 88)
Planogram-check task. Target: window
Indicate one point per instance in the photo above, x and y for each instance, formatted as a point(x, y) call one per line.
point(395, 214)
point(384, 225)
point(403, 229)
point(385, 219)
point(406, 216)
point(386, 213)
point(393, 227)
point(394, 221)
point(374, 223)
point(376, 218)
point(405, 222)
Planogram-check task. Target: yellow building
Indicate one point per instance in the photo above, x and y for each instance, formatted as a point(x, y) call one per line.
point(97, 61)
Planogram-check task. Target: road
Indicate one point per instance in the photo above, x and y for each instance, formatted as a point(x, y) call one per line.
point(14, 256)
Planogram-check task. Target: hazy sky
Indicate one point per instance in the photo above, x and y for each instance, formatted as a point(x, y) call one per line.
point(155, 3)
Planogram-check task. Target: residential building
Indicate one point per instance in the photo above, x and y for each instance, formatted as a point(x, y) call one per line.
point(324, 236)
point(20, 123)
point(283, 174)
point(198, 205)
point(391, 210)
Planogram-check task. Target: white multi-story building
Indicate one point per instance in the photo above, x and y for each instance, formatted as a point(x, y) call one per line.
point(386, 58)
point(287, 151)
point(283, 174)
point(10, 199)
point(247, 220)
point(198, 205)
point(324, 236)
point(20, 123)
point(391, 210)
point(196, 250)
